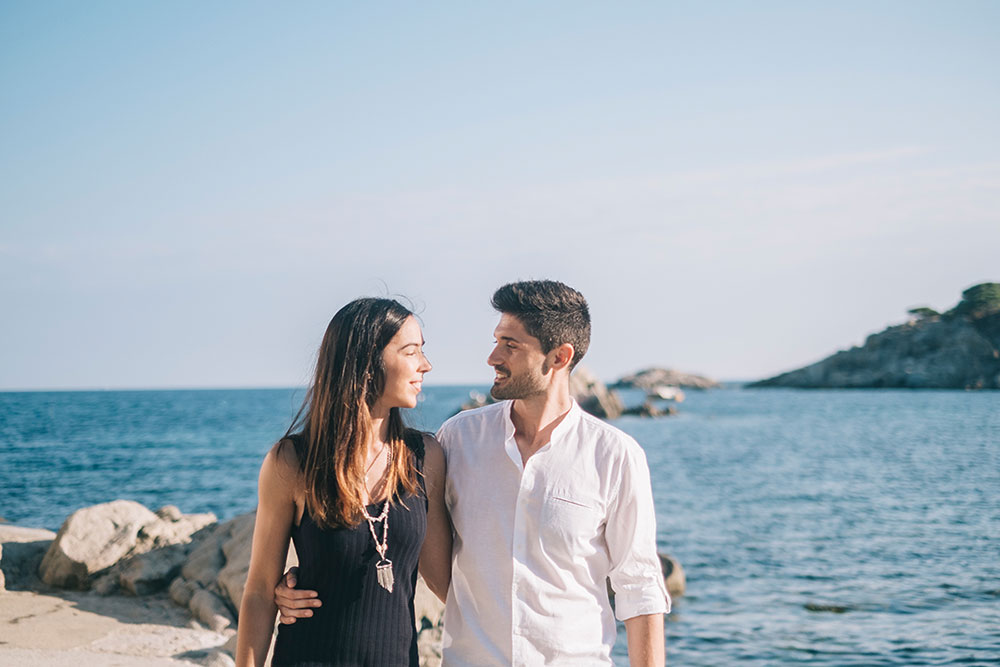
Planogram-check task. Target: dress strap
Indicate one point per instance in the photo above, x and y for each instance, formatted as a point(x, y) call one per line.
point(414, 440)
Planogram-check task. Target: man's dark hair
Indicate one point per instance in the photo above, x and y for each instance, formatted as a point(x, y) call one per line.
point(552, 312)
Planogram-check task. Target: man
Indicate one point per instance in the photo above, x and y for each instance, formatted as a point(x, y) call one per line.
point(547, 502)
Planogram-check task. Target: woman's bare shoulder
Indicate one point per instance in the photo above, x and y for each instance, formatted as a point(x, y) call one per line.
point(282, 461)
point(434, 461)
point(431, 446)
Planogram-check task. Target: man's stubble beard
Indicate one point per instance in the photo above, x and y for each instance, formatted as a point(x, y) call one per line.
point(530, 384)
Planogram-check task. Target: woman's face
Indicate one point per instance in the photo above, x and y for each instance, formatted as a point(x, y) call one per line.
point(405, 364)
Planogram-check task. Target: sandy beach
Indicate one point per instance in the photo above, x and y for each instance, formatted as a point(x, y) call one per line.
point(76, 629)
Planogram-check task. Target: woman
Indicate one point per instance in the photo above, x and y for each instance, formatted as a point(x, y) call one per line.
point(357, 492)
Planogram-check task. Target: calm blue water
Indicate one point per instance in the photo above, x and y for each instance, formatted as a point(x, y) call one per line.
point(884, 504)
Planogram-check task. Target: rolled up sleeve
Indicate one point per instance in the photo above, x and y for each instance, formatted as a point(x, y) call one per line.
point(630, 532)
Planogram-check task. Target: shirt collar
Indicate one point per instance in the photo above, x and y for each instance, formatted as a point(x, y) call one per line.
point(571, 419)
point(568, 422)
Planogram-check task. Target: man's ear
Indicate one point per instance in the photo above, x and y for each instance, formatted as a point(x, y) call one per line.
point(561, 356)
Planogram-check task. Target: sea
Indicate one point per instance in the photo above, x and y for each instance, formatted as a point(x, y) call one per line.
point(827, 528)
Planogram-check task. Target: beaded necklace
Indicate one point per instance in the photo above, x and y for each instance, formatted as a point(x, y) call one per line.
point(383, 569)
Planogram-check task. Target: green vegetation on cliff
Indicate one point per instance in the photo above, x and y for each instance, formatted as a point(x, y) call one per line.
point(979, 301)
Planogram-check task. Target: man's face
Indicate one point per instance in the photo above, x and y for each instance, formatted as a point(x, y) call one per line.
point(517, 360)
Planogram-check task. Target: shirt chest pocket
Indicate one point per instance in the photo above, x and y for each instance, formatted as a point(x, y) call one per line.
point(570, 518)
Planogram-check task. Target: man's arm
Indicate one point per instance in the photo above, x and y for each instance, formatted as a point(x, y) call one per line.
point(645, 640)
point(641, 597)
point(292, 603)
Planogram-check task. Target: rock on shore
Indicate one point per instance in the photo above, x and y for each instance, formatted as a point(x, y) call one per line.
point(959, 349)
point(120, 544)
point(21, 552)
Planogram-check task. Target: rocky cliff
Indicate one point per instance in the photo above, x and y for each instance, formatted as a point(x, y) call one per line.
point(959, 349)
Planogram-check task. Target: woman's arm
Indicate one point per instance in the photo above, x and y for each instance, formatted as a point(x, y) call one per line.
point(275, 514)
point(435, 556)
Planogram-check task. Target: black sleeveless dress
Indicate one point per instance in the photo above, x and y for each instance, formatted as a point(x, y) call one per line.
point(360, 623)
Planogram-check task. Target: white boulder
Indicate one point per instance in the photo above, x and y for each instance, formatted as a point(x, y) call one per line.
point(121, 544)
point(93, 539)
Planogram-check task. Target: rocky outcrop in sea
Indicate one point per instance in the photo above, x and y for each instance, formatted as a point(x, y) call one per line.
point(959, 349)
point(593, 396)
point(652, 378)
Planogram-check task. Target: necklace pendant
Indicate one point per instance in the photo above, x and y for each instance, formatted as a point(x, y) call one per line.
point(383, 571)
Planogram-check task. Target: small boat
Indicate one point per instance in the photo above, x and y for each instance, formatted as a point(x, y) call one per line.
point(667, 393)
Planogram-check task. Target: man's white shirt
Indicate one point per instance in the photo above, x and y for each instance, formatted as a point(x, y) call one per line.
point(534, 543)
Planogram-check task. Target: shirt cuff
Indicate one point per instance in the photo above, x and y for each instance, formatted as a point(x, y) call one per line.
point(640, 601)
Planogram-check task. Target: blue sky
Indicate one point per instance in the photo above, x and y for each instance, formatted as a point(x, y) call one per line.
point(189, 191)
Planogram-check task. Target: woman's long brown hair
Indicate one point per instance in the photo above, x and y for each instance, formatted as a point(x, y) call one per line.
point(335, 421)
